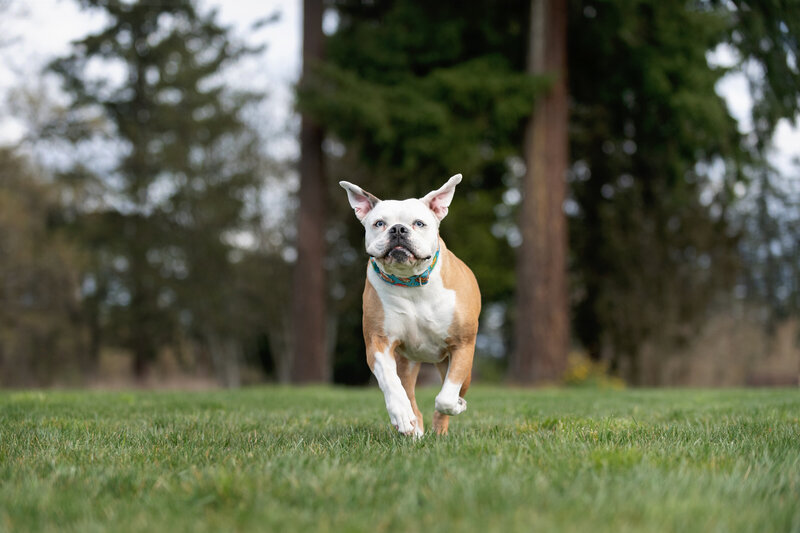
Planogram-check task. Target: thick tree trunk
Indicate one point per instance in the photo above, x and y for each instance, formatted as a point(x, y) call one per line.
point(310, 359)
point(542, 325)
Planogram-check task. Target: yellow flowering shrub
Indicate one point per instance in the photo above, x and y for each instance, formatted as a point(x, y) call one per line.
point(583, 372)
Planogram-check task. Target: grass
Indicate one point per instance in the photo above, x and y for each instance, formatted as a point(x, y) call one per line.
point(325, 459)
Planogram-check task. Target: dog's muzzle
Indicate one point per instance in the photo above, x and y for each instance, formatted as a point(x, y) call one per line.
point(400, 254)
point(399, 247)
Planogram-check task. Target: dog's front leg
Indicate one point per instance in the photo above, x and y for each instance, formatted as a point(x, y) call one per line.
point(382, 362)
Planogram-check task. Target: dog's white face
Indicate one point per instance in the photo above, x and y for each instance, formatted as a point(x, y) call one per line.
point(401, 231)
point(403, 235)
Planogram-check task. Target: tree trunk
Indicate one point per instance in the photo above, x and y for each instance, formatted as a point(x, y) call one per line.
point(225, 357)
point(279, 343)
point(542, 325)
point(142, 342)
point(142, 356)
point(309, 360)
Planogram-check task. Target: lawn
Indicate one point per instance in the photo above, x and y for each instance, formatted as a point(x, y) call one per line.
point(325, 459)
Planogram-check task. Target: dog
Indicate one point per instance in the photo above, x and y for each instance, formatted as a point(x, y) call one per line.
point(421, 304)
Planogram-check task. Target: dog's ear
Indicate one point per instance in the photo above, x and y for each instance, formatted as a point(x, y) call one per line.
point(439, 200)
point(361, 201)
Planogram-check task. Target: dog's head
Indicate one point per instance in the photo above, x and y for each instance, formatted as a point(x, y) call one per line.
point(401, 234)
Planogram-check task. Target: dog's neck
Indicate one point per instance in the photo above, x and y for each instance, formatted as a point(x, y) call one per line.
point(414, 280)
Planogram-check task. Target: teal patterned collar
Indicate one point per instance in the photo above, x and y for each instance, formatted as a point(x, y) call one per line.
point(417, 280)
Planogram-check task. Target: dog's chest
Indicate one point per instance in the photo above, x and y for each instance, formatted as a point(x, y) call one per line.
point(418, 317)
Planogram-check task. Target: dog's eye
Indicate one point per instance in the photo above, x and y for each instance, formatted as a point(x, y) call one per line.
point(379, 224)
point(419, 223)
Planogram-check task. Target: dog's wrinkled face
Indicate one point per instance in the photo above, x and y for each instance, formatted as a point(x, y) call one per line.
point(401, 231)
point(403, 235)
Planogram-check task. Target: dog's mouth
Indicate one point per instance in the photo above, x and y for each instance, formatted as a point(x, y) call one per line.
point(400, 254)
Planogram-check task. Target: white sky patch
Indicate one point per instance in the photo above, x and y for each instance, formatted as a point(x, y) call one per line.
point(34, 34)
point(40, 30)
point(786, 153)
point(275, 70)
point(735, 89)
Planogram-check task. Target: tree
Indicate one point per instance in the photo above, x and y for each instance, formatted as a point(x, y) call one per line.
point(770, 246)
point(309, 297)
point(649, 254)
point(542, 326)
point(409, 94)
point(653, 229)
point(159, 216)
point(413, 91)
point(42, 335)
point(764, 35)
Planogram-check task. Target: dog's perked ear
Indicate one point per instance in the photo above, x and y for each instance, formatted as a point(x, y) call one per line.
point(439, 200)
point(360, 200)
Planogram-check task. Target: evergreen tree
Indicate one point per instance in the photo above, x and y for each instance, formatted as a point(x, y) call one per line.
point(414, 93)
point(657, 158)
point(648, 127)
point(765, 36)
point(417, 90)
point(163, 209)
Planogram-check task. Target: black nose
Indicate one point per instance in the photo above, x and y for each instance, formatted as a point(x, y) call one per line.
point(398, 229)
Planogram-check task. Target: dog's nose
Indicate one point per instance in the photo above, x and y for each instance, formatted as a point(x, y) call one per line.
point(398, 229)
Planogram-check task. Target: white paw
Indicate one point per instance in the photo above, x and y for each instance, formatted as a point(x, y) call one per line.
point(403, 419)
point(449, 406)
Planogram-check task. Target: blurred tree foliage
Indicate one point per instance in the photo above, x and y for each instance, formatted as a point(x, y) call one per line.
point(41, 333)
point(770, 246)
point(415, 92)
point(764, 34)
point(162, 181)
point(418, 92)
point(160, 210)
point(423, 91)
point(649, 133)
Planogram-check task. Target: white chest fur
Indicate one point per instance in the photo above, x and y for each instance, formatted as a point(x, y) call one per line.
point(418, 317)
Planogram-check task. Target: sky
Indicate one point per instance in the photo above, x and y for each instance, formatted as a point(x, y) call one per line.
point(734, 88)
point(35, 31)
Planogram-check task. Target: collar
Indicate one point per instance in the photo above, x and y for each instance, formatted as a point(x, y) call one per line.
point(416, 280)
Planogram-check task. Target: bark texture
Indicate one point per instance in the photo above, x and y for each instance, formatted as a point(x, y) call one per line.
point(309, 350)
point(541, 334)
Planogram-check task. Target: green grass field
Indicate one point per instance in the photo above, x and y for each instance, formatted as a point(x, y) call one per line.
point(325, 459)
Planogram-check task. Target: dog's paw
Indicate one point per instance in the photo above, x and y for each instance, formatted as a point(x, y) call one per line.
point(404, 420)
point(415, 433)
point(448, 406)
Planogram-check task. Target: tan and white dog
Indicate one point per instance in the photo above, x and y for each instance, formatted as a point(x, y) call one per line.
point(421, 304)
